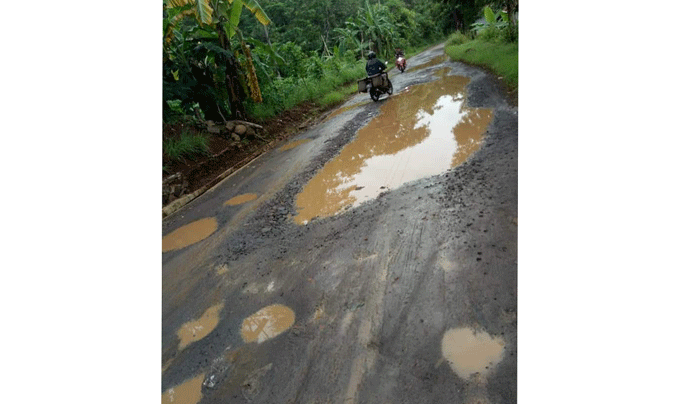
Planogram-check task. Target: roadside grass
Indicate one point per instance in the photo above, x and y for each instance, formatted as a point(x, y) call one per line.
point(501, 58)
point(326, 90)
point(331, 89)
point(187, 145)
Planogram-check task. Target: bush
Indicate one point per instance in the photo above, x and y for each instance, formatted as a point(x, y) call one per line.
point(456, 38)
point(489, 34)
point(187, 145)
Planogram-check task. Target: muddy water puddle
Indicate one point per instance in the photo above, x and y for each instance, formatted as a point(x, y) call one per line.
point(468, 351)
point(196, 330)
point(189, 392)
point(189, 234)
point(240, 199)
point(423, 131)
point(435, 61)
point(267, 323)
point(294, 144)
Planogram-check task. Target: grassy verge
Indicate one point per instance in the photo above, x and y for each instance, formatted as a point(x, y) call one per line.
point(499, 57)
point(329, 90)
point(186, 145)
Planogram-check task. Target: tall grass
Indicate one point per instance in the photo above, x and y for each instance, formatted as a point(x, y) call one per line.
point(286, 93)
point(337, 82)
point(187, 145)
point(499, 56)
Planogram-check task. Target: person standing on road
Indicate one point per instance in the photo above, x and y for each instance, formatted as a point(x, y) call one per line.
point(374, 65)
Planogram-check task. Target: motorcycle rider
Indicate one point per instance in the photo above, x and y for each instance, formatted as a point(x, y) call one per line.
point(398, 53)
point(374, 65)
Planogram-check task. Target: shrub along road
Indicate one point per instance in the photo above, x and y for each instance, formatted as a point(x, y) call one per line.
point(405, 295)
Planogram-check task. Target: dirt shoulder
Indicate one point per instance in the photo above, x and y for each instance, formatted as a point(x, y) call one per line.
point(190, 174)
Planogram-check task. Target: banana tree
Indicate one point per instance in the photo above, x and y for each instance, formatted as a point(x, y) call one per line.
point(379, 27)
point(224, 16)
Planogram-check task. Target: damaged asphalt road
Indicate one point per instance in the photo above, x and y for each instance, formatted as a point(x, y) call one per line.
point(409, 296)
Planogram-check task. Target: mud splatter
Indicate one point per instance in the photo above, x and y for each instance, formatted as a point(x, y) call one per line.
point(189, 392)
point(197, 329)
point(421, 132)
point(240, 199)
point(189, 234)
point(294, 144)
point(469, 352)
point(267, 323)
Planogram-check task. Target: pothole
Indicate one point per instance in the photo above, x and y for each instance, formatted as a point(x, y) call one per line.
point(196, 330)
point(267, 323)
point(435, 61)
point(240, 199)
point(189, 392)
point(423, 131)
point(294, 144)
point(469, 352)
point(189, 234)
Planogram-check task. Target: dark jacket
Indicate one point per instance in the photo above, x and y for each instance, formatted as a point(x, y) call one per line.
point(374, 66)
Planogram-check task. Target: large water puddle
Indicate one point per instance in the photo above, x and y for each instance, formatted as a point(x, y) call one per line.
point(190, 234)
point(189, 392)
point(267, 323)
point(240, 199)
point(423, 131)
point(197, 329)
point(469, 352)
point(294, 144)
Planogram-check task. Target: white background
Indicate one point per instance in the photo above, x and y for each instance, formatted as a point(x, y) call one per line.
point(606, 202)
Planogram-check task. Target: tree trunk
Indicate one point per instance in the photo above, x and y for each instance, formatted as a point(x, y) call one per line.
point(235, 94)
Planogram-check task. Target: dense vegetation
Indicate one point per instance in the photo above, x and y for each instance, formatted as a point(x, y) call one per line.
point(252, 59)
point(491, 43)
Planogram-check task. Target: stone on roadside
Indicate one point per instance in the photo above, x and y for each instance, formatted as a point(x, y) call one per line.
point(240, 129)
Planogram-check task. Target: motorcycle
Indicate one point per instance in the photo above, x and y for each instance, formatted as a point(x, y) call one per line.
point(377, 85)
point(401, 63)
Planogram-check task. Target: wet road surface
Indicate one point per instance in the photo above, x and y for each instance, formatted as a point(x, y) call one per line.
point(371, 259)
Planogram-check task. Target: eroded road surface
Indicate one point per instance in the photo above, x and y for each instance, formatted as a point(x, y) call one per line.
point(370, 259)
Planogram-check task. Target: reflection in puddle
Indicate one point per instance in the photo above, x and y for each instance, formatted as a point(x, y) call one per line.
point(294, 144)
point(470, 352)
point(424, 131)
point(240, 199)
point(267, 323)
point(433, 62)
point(189, 392)
point(191, 233)
point(197, 329)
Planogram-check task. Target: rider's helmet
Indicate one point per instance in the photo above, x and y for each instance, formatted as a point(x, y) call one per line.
point(371, 55)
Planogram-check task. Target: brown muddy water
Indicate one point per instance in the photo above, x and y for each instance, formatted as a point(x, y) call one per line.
point(240, 199)
point(294, 144)
point(423, 131)
point(267, 323)
point(189, 392)
point(197, 329)
point(468, 351)
point(189, 234)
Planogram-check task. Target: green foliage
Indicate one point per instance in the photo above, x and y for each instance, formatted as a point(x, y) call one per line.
point(187, 145)
point(500, 57)
point(457, 38)
point(312, 48)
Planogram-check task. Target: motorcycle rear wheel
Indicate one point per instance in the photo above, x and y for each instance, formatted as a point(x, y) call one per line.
point(374, 94)
point(390, 88)
point(402, 68)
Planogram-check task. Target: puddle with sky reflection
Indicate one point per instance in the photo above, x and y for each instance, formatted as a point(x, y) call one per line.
point(423, 131)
